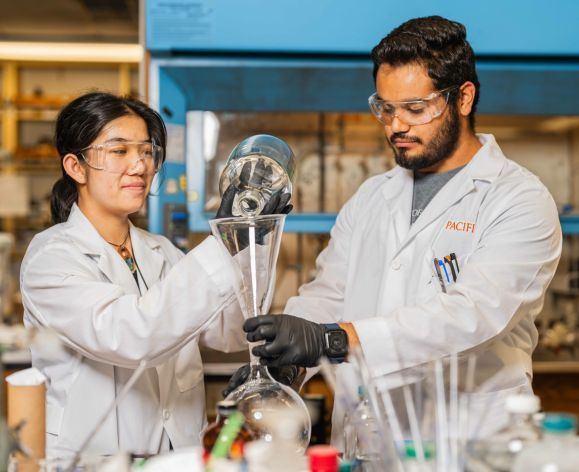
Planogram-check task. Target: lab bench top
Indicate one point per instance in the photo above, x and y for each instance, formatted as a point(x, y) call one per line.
point(21, 358)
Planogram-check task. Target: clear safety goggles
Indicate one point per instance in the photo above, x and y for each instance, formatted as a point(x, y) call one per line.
point(122, 156)
point(412, 112)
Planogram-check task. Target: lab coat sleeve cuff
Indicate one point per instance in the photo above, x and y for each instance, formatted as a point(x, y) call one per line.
point(378, 346)
point(211, 257)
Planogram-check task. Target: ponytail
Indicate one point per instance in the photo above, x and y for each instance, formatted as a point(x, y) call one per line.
point(64, 194)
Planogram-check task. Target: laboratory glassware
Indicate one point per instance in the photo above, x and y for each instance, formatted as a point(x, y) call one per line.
point(252, 244)
point(558, 451)
point(258, 167)
point(362, 440)
point(225, 408)
point(501, 449)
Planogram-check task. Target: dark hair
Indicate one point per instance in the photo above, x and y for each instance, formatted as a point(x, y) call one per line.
point(78, 125)
point(439, 45)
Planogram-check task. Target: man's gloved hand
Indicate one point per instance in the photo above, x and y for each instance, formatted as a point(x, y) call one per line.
point(277, 204)
point(286, 374)
point(289, 340)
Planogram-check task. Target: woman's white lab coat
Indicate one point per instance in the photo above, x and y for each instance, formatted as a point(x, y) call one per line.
point(76, 283)
point(378, 272)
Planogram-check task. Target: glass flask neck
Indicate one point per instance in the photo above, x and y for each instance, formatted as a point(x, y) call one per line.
point(258, 371)
point(253, 359)
point(250, 202)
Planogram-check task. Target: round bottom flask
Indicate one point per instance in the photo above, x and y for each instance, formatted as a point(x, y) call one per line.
point(261, 398)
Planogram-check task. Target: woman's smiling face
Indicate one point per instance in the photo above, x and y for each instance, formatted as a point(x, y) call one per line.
point(122, 192)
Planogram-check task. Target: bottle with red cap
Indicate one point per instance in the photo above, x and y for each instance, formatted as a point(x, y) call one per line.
point(323, 458)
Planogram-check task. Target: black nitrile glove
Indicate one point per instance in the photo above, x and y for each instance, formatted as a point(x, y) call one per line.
point(236, 379)
point(286, 374)
point(225, 209)
point(277, 204)
point(289, 340)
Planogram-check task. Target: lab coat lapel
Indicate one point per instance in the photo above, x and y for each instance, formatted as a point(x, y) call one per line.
point(114, 267)
point(147, 251)
point(485, 165)
point(398, 192)
point(459, 186)
point(85, 236)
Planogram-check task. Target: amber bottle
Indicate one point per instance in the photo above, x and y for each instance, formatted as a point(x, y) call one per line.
point(225, 408)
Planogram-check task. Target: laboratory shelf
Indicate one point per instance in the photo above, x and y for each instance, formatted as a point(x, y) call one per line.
point(323, 222)
point(319, 223)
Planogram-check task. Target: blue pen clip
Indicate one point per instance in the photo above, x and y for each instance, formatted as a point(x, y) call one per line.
point(441, 264)
point(439, 274)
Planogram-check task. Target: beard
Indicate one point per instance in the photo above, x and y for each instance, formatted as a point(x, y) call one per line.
point(440, 147)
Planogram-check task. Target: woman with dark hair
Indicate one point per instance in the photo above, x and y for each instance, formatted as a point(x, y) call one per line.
point(117, 295)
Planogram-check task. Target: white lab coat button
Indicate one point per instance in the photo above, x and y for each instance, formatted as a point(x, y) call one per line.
point(166, 414)
point(396, 264)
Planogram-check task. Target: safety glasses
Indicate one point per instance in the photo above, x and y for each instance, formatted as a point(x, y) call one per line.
point(412, 112)
point(122, 156)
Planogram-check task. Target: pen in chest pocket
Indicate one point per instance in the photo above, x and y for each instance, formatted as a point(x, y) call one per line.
point(448, 260)
point(444, 276)
point(439, 274)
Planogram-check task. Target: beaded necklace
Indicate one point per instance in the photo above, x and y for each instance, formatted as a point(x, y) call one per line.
point(125, 253)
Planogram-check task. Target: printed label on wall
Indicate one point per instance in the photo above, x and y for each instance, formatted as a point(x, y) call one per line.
point(180, 22)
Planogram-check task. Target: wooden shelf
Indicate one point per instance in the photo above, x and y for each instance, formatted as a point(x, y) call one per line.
point(42, 102)
point(37, 153)
point(31, 96)
point(37, 115)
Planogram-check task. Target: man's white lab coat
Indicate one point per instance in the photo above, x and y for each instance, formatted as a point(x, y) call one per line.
point(76, 283)
point(378, 272)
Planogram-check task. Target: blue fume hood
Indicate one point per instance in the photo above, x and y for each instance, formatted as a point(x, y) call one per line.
point(251, 56)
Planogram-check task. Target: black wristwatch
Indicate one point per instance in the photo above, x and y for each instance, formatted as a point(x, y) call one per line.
point(335, 343)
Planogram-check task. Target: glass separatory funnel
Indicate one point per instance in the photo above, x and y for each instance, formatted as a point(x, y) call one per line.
point(258, 167)
point(253, 245)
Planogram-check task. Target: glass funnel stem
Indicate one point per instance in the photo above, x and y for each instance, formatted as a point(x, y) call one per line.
point(254, 360)
point(253, 269)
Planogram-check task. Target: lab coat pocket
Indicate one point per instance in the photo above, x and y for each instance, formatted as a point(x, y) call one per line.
point(188, 367)
point(54, 414)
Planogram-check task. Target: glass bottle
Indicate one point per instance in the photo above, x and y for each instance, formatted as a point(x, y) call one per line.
point(557, 452)
point(366, 436)
point(500, 450)
point(349, 428)
point(258, 167)
point(226, 408)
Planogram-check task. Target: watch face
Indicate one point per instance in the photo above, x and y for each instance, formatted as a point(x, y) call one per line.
point(337, 343)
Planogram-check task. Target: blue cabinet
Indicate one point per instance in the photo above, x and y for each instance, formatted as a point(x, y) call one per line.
point(253, 55)
point(495, 28)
